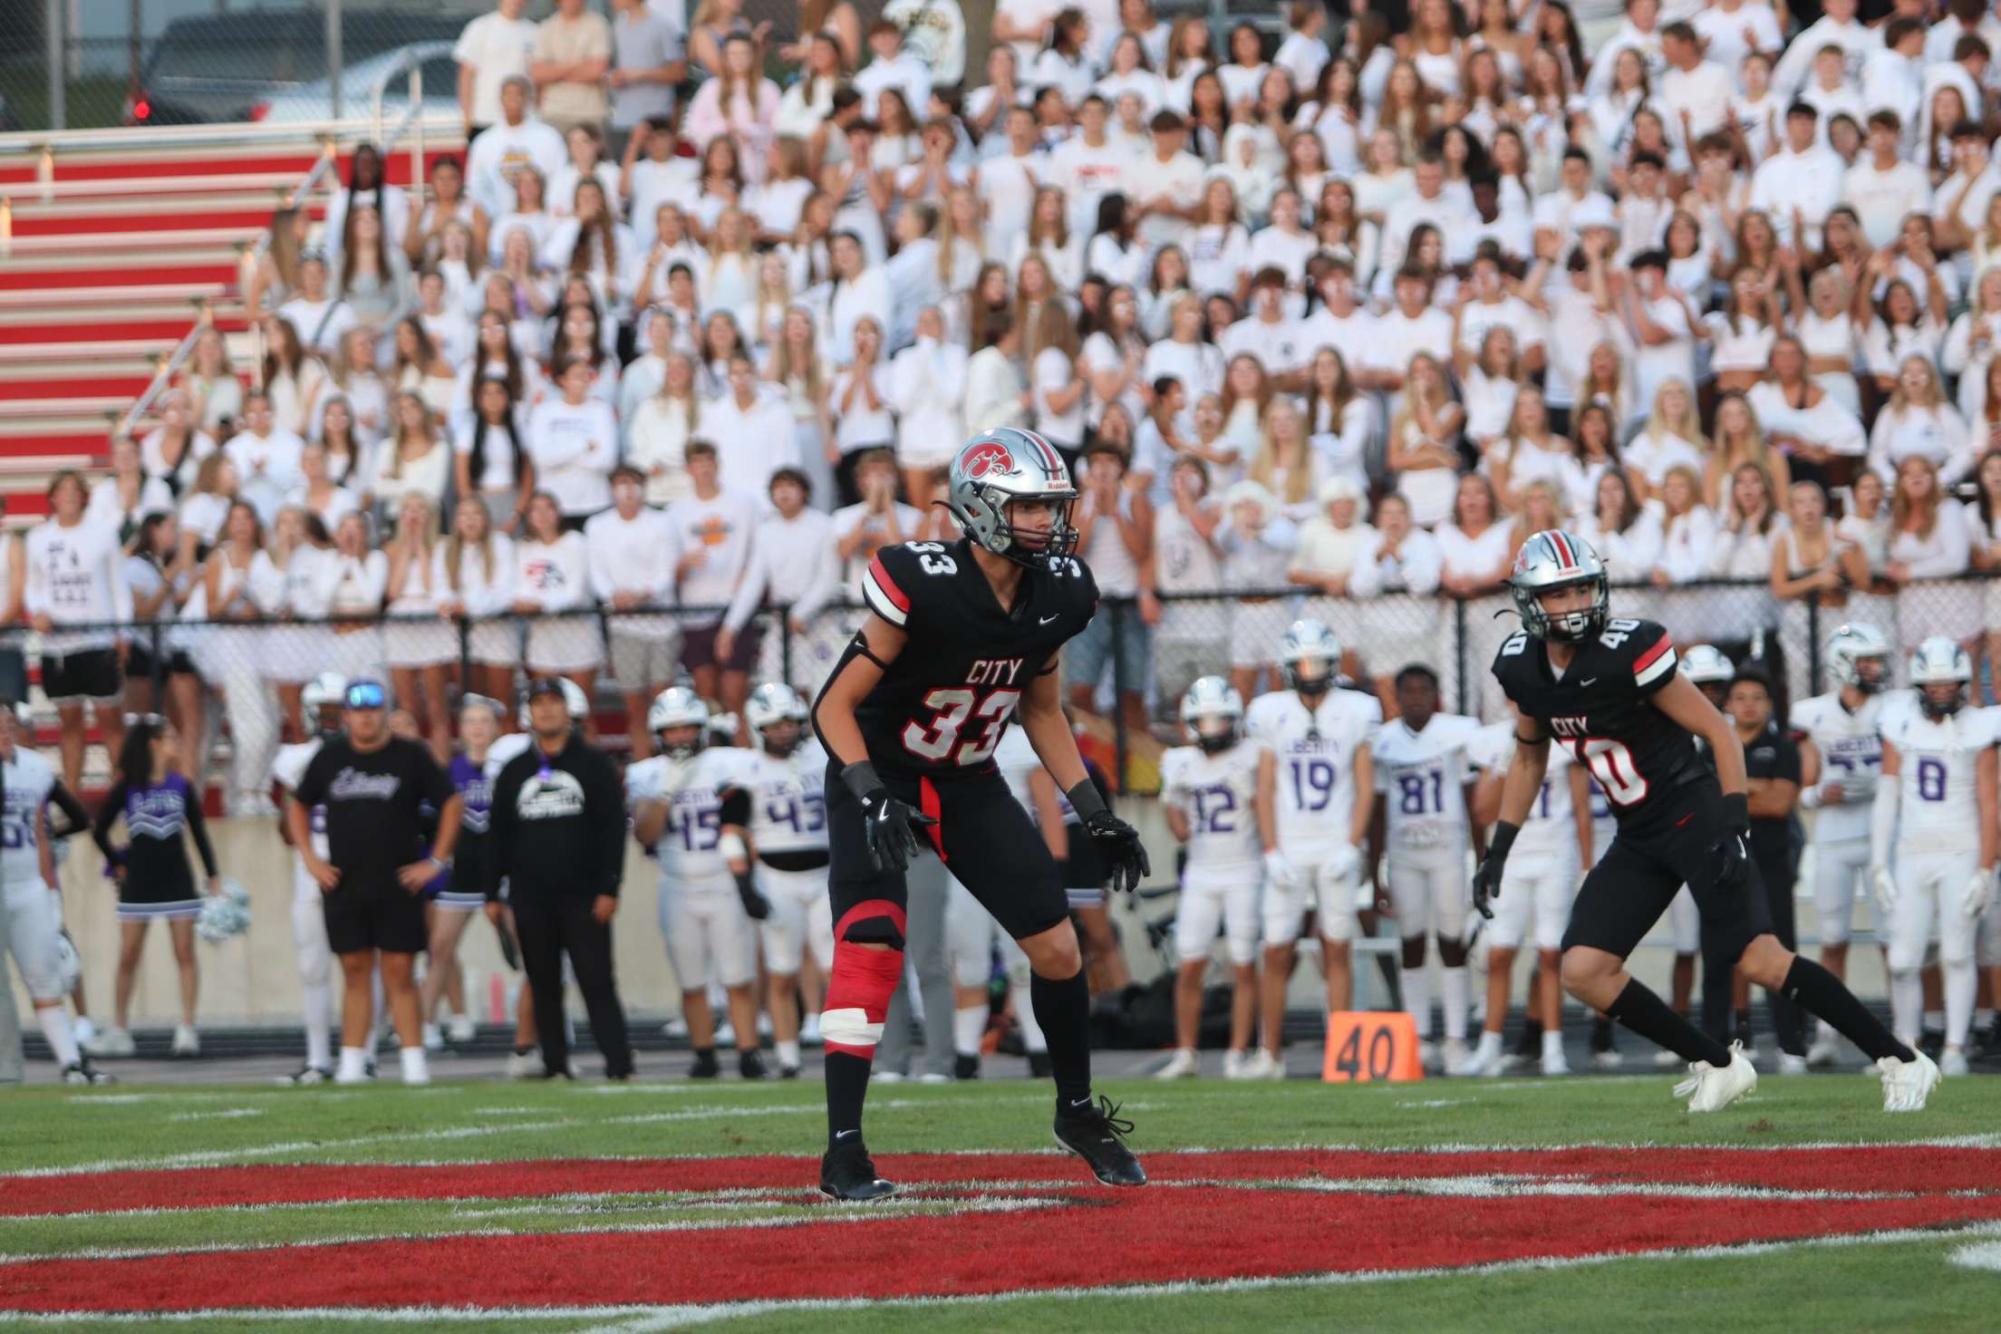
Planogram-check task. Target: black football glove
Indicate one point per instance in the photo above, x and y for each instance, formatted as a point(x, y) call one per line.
point(1730, 855)
point(755, 905)
point(892, 842)
point(1116, 841)
point(1487, 879)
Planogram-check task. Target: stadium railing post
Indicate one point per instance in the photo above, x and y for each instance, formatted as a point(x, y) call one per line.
point(156, 646)
point(1459, 655)
point(1813, 640)
point(783, 615)
point(1116, 608)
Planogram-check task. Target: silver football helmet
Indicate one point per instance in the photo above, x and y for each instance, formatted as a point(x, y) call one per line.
point(1851, 648)
point(1009, 466)
point(1554, 559)
point(322, 699)
point(1213, 713)
point(1706, 664)
point(1309, 655)
point(574, 700)
point(678, 706)
point(773, 703)
point(1942, 673)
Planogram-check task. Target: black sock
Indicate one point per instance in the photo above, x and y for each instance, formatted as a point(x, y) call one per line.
point(1822, 993)
point(847, 1086)
point(1064, 1011)
point(1648, 1015)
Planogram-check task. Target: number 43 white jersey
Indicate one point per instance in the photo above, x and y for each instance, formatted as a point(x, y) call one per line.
point(788, 810)
point(693, 788)
point(1218, 794)
point(1422, 776)
point(1938, 810)
point(1315, 753)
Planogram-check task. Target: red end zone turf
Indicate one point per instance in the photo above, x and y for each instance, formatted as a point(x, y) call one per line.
point(1210, 1216)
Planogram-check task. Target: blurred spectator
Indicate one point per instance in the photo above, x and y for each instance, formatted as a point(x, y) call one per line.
point(648, 61)
point(1115, 540)
point(71, 577)
point(713, 530)
point(552, 585)
point(503, 149)
point(492, 49)
point(571, 57)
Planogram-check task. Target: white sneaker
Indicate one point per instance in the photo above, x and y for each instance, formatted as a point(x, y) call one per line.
point(187, 1042)
point(461, 1029)
point(1554, 1063)
point(1710, 1089)
point(1952, 1062)
point(933, 1077)
point(1611, 1058)
point(1427, 1054)
point(85, 1031)
point(111, 1042)
point(416, 1068)
point(352, 1076)
point(434, 1038)
point(1823, 1053)
point(1666, 1060)
point(886, 1077)
point(726, 1034)
point(1269, 1066)
point(677, 1027)
point(1235, 1065)
point(524, 1064)
point(1454, 1053)
point(1790, 1064)
point(809, 1031)
point(1481, 1061)
point(1906, 1084)
point(1181, 1065)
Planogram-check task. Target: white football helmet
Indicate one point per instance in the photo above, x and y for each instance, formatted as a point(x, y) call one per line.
point(772, 703)
point(326, 691)
point(574, 700)
point(1942, 672)
point(1310, 657)
point(1850, 648)
point(1706, 665)
point(1213, 713)
point(679, 706)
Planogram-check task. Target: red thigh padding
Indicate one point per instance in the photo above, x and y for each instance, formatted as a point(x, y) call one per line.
point(871, 908)
point(858, 990)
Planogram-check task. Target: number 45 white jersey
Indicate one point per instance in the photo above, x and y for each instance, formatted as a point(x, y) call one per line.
point(693, 788)
point(1937, 809)
point(1315, 753)
point(1422, 776)
point(1217, 793)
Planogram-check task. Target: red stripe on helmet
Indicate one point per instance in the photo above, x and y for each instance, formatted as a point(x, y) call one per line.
point(1564, 556)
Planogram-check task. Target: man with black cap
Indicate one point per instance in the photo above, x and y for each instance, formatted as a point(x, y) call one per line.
point(557, 835)
point(373, 787)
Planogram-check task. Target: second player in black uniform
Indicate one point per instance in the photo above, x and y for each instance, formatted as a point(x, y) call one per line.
point(1606, 689)
point(962, 637)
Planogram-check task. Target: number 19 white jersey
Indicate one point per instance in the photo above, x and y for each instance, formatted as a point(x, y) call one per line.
point(1551, 826)
point(1850, 746)
point(1938, 810)
point(1422, 776)
point(1217, 793)
point(1315, 753)
point(688, 847)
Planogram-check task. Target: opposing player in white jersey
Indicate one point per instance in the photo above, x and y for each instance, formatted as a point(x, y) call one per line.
point(1554, 846)
point(677, 815)
point(775, 830)
point(1218, 798)
point(1841, 753)
point(322, 702)
point(27, 899)
point(1323, 780)
point(1932, 839)
point(1425, 780)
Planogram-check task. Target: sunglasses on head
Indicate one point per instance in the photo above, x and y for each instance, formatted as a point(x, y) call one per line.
point(366, 695)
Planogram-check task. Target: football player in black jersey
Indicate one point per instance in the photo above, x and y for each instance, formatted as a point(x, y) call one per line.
point(960, 637)
point(1607, 690)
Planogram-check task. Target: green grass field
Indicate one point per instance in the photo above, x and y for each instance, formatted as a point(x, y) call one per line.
point(1848, 1278)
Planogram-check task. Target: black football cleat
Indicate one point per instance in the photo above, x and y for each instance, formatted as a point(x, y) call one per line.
point(965, 1067)
point(705, 1066)
point(751, 1065)
point(1095, 1133)
point(848, 1173)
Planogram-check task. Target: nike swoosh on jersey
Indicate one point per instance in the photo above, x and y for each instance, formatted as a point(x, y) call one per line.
point(1587, 681)
point(1047, 619)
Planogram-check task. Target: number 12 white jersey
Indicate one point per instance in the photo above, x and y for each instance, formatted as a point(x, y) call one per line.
point(1217, 793)
point(1315, 753)
point(1938, 810)
point(1422, 776)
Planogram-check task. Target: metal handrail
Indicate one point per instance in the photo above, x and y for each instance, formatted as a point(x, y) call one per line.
point(168, 365)
point(194, 136)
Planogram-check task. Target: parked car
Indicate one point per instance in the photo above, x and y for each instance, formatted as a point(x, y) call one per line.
point(243, 65)
point(391, 70)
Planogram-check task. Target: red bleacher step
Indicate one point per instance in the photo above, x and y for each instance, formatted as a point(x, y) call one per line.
point(123, 275)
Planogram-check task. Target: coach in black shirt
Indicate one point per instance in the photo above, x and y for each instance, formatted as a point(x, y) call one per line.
point(376, 789)
point(557, 836)
point(1773, 763)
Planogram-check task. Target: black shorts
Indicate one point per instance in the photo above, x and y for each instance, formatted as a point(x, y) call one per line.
point(88, 674)
point(698, 649)
point(1644, 869)
point(362, 917)
point(983, 836)
point(139, 663)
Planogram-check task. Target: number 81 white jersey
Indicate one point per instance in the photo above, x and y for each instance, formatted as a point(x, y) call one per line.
point(1937, 809)
point(1218, 795)
point(1422, 776)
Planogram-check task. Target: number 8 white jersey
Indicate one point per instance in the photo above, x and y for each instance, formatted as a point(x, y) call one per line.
point(1315, 752)
point(1217, 793)
point(1938, 810)
point(1422, 779)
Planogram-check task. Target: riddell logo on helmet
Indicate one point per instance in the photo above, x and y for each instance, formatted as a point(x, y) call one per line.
point(991, 457)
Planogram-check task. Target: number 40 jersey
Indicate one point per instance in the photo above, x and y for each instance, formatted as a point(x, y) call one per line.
point(1600, 710)
point(943, 704)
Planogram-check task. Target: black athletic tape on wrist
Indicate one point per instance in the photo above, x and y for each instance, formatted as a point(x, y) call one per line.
point(1084, 800)
point(1736, 811)
point(861, 779)
point(1502, 839)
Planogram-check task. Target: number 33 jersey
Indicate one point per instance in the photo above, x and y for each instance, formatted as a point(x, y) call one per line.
point(1600, 710)
point(1218, 794)
point(1938, 808)
point(944, 702)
